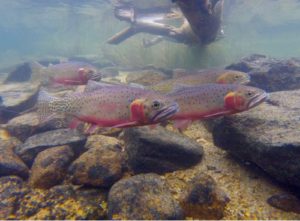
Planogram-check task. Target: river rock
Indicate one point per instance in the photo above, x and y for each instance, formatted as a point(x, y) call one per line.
point(101, 165)
point(142, 197)
point(26, 125)
point(20, 73)
point(286, 202)
point(12, 190)
point(267, 135)
point(202, 199)
point(10, 163)
point(50, 166)
point(270, 74)
point(17, 97)
point(39, 142)
point(159, 150)
point(62, 203)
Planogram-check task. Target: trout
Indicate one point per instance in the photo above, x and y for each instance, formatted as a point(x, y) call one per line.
point(213, 100)
point(203, 77)
point(109, 106)
point(67, 73)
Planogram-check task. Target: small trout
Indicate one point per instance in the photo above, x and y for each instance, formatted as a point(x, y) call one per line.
point(67, 73)
point(112, 106)
point(213, 100)
point(203, 77)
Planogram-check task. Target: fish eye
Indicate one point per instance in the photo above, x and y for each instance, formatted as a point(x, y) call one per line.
point(236, 76)
point(249, 93)
point(156, 105)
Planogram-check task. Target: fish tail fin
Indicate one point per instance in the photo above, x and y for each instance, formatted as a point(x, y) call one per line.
point(46, 108)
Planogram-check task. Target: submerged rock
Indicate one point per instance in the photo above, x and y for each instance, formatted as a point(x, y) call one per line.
point(10, 163)
point(267, 135)
point(21, 73)
point(12, 190)
point(50, 166)
point(26, 125)
point(62, 203)
point(270, 74)
point(285, 202)
point(159, 150)
point(203, 199)
point(16, 98)
point(23, 126)
point(142, 197)
point(101, 165)
point(39, 142)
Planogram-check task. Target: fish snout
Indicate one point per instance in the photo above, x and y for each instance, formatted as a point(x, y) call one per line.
point(246, 80)
point(165, 113)
point(258, 99)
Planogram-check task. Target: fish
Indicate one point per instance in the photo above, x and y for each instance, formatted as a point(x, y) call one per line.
point(116, 106)
point(213, 100)
point(202, 77)
point(66, 73)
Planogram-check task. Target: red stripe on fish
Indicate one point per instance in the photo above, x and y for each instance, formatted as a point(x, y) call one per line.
point(105, 122)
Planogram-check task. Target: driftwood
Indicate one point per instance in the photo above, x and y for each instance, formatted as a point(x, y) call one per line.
point(200, 22)
point(204, 17)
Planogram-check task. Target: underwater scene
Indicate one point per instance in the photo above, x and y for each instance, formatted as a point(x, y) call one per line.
point(150, 110)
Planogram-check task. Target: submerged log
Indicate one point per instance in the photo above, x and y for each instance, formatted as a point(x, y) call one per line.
point(200, 22)
point(204, 16)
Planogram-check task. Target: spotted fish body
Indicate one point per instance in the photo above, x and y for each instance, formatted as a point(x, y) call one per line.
point(213, 100)
point(203, 77)
point(67, 73)
point(112, 106)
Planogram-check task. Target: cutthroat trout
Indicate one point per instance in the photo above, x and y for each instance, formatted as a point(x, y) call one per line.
point(67, 73)
point(109, 106)
point(213, 100)
point(203, 77)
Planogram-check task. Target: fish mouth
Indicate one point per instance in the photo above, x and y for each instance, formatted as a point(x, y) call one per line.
point(165, 113)
point(256, 100)
point(246, 80)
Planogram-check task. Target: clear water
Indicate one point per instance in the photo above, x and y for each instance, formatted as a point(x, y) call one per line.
point(37, 29)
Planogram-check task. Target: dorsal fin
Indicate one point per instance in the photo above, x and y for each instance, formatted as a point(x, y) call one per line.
point(178, 87)
point(95, 85)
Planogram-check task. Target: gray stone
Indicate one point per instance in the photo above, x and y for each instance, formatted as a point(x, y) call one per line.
point(39, 142)
point(267, 135)
point(16, 98)
point(50, 166)
point(159, 150)
point(142, 197)
point(10, 163)
point(28, 124)
point(286, 202)
point(270, 74)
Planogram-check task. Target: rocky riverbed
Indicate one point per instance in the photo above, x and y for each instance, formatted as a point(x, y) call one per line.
point(243, 166)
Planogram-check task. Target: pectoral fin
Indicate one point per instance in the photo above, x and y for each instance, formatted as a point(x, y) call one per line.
point(127, 124)
point(182, 124)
